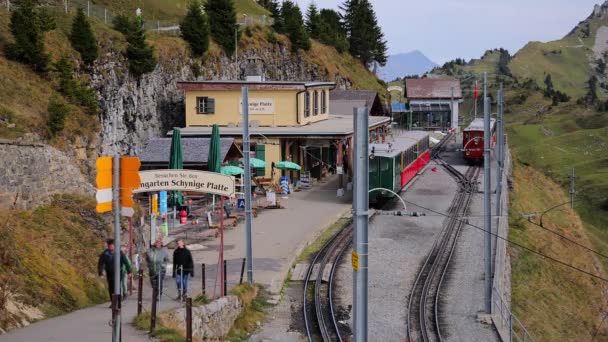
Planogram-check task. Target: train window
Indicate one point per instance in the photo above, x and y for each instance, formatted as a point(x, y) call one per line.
point(384, 164)
point(373, 165)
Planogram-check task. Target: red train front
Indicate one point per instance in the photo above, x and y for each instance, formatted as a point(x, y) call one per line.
point(472, 140)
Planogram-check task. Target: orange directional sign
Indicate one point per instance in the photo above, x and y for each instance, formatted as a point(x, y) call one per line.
point(104, 172)
point(103, 181)
point(129, 181)
point(129, 172)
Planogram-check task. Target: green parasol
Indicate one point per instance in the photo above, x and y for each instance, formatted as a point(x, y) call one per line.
point(176, 162)
point(287, 165)
point(214, 160)
point(231, 170)
point(255, 162)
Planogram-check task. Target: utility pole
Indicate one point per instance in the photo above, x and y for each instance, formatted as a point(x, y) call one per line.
point(236, 55)
point(361, 217)
point(487, 197)
point(247, 190)
point(572, 191)
point(499, 152)
point(8, 5)
point(453, 119)
point(116, 295)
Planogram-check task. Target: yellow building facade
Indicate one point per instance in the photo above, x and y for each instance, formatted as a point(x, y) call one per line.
point(272, 104)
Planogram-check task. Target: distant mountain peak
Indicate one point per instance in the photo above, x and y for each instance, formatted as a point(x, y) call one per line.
point(409, 63)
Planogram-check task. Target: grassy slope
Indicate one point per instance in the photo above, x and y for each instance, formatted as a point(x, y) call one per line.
point(555, 303)
point(53, 255)
point(173, 10)
point(567, 60)
point(551, 140)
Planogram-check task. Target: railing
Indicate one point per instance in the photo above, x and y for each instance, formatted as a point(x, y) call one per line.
point(106, 16)
point(508, 326)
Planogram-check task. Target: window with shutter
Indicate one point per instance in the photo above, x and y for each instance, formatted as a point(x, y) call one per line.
point(306, 104)
point(323, 103)
point(315, 96)
point(205, 105)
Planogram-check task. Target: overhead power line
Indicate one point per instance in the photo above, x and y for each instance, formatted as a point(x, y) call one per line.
point(518, 245)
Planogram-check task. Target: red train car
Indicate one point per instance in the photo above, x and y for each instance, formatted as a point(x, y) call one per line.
point(472, 140)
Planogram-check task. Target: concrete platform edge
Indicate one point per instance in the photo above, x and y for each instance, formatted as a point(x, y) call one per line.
point(276, 284)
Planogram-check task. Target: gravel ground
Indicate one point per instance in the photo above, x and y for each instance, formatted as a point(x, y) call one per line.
point(462, 298)
point(398, 247)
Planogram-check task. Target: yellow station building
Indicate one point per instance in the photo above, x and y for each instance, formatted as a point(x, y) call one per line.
point(288, 121)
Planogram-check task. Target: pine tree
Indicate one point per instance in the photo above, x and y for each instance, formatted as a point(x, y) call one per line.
point(331, 30)
point(140, 54)
point(195, 29)
point(548, 86)
point(82, 38)
point(313, 21)
point(222, 23)
point(294, 26)
point(27, 30)
point(275, 10)
point(366, 40)
point(57, 113)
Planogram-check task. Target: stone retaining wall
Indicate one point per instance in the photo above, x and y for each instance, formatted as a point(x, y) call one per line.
point(213, 320)
point(35, 172)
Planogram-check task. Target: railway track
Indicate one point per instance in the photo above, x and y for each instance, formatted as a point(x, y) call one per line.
point(423, 308)
point(320, 319)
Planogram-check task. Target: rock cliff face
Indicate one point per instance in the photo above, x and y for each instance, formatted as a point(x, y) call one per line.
point(134, 111)
point(33, 173)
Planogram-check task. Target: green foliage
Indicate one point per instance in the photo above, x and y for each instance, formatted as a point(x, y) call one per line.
point(57, 113)
point(222, 23)
point(275, 11)
point(294, 26)
point(331, 30)
point(75, 91)
point(271, 37)
point(28, 26)
point(82, 38)
point(45, 19)
point(313, 21)
point(123, 24)
point(366, 39)
point(140, 54)
point(195, 29)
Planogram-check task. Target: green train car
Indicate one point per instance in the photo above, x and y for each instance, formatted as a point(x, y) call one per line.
point(393, 164)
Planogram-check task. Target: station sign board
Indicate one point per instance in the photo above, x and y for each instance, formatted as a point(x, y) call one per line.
point(186, 180)
point(258, 106)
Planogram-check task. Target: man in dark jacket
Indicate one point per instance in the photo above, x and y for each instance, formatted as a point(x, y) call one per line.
point(183, 266)
point(106, 263)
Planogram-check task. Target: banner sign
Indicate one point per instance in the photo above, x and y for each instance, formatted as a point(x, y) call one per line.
point(258, 106)
point(163, 202)
point(186, 180)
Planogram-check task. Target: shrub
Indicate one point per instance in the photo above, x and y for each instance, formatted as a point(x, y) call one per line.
point(28, 28)
point(75, 91)
point(82, 38)
point(123, 24)
point(57, 113)
point(222, 23)
point(140, 54)
point(195, 29)
point(271, 37)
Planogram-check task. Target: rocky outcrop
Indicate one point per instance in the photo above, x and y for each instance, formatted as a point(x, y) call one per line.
point(134, 111)
point(32, 173)
point(214, 320)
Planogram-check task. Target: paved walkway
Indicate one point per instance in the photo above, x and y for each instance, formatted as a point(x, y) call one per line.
point(278, 237)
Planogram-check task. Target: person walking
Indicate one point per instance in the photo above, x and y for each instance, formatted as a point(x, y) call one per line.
point(157, 269)
point(183, 267)
point(124, 276)
point(106, 263)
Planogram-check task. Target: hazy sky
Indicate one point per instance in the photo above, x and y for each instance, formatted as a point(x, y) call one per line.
point(446, 29)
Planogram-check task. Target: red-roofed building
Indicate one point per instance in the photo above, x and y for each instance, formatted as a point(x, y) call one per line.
point(434, 103)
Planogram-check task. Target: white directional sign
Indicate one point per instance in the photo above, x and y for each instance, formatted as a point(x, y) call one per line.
point(186, 180)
